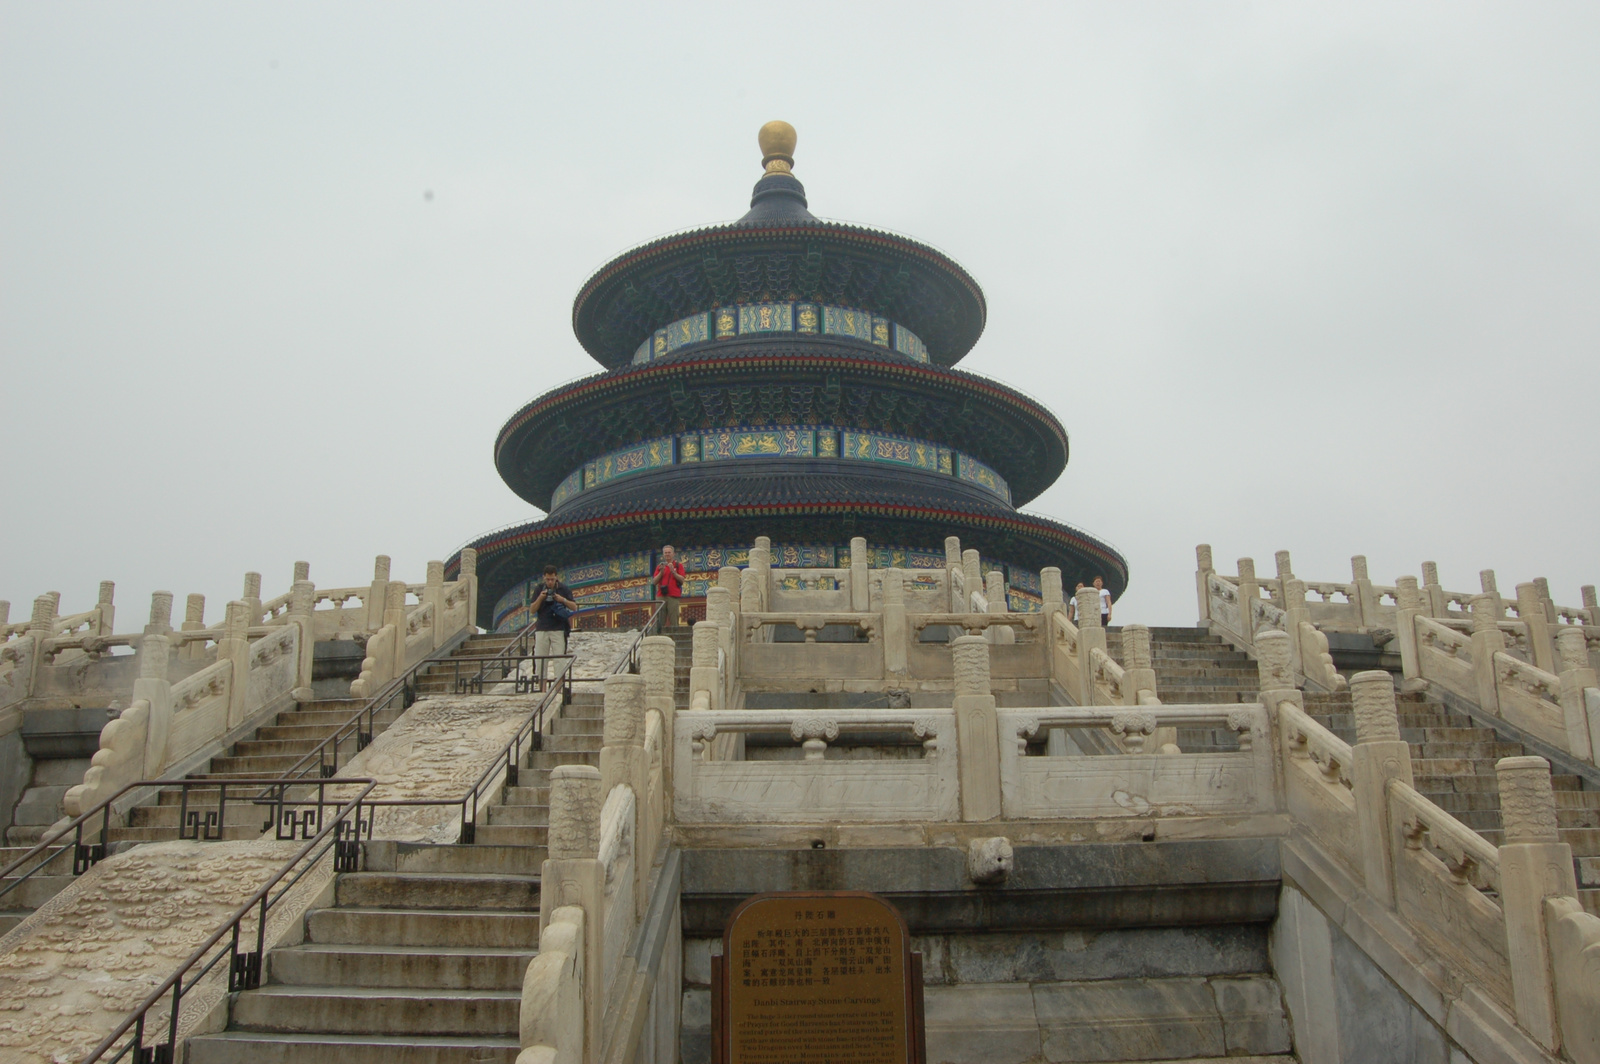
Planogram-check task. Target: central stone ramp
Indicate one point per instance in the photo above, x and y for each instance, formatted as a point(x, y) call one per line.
point(422, 964)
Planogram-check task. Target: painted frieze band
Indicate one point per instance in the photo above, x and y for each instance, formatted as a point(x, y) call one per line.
point(806, 319)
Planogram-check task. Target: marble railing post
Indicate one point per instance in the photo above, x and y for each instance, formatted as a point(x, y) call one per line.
point(1285, 574)
point(761, 565)
point(1487, 582)
point(252, 596)
point(952, 565)
point(994, 589)
point(1275, 670)
point(658, 664)
point(860, 578)
point(728, 577)
point(106, 609)
point(703, 665)
point(622, 761)
point(1363, 596)
point(160, 613)
point(468, 571)
point(153, 686)
point(1138, 668)
point(977, 729)
point(572, 875)
point(1432, 591)
point(972, 576)
point(1487, 641)
point(1412, 605)
point(194, 619)
point(235, 647)
point(1295, 613)
point(1541, 584)
point(302, 603)
point(1202, 580)
point(433, 594)
point(1050, 585)
point(1591, 605)
point(1541, 641)
point(896, 633)
point(378, 595)
point(1249, 595)
point(1091, 636)
point(1534, 865)
point(1378, 755)
point(750, 602)
point(719, 611)
point(302, 571)
point(46, 608)
point(1580, 692)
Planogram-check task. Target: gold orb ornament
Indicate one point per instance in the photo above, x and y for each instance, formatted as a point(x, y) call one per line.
point(777, 139)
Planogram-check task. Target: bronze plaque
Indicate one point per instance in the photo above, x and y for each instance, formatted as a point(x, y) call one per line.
point(822, 977)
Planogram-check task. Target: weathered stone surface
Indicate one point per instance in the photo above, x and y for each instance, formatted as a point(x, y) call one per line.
point(71, 971)
point(436, 750)
point(982, 1024)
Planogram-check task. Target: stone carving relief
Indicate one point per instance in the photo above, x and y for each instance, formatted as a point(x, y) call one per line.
point(436, 750)
point(73, 970)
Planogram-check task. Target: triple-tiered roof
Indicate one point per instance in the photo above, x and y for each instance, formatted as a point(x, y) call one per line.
point(784, 376)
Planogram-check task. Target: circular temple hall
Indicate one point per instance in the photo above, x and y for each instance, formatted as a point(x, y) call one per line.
point(780, 376)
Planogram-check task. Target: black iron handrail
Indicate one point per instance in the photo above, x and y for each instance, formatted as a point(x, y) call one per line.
point(244, 968)
point(510, 671)
point(283, 820)
point(629, 661)
point(517, 645)
point(403, 687)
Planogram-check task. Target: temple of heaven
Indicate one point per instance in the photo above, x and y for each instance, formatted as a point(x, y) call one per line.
point(783, 376)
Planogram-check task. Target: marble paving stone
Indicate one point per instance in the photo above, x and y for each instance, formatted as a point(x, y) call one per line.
point(981, 1024)
point(1128, 1019)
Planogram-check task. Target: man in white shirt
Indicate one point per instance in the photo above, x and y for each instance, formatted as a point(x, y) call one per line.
point(1105, 602)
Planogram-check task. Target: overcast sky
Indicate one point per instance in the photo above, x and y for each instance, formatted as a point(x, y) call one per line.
point(1324, 278)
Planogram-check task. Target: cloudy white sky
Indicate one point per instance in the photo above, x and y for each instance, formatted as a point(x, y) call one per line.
point(1323, 277)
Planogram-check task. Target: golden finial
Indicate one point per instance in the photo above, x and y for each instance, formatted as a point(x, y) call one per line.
point(777, 146)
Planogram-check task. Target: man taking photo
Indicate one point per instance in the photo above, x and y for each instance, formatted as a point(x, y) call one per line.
point(553, 611)
point(668, 581)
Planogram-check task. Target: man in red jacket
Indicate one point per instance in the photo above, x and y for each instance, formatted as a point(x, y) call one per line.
point(668, 581)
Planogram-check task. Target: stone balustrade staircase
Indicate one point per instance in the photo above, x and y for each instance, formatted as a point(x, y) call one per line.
point(421, 961)
point(271, 749)
point(1452, 764)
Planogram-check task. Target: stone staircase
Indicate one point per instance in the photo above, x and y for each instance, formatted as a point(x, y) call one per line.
point(271, 750)
point(422, 962)
point(1452, 763)
point(1193, 666)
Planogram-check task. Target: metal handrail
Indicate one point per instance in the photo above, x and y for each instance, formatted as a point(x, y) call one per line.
point(518, 640)
point(630, 657)
point(402, 685)
point(192, 825)
point(244, 969)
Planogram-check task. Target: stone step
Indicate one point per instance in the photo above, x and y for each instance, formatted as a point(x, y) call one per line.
point(59, 864)
point(528, 795)
point(548, 759)
point(577, 726)
point(511, 835)
point(437, 890)
point(581, 743)
point(423, 927)
point(294, 732)
point(34, 891)
point(390, 1010)
point(474, 859)
point(241, 814)
point(520, 815)
point(399, 966)
point(1238, 1018)
point(264, 1047)
point(262, 767)
point(230, 833)
point(10, 918)
point(295, 748)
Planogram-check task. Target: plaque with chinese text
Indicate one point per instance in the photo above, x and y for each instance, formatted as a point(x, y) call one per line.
point(824, 977)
